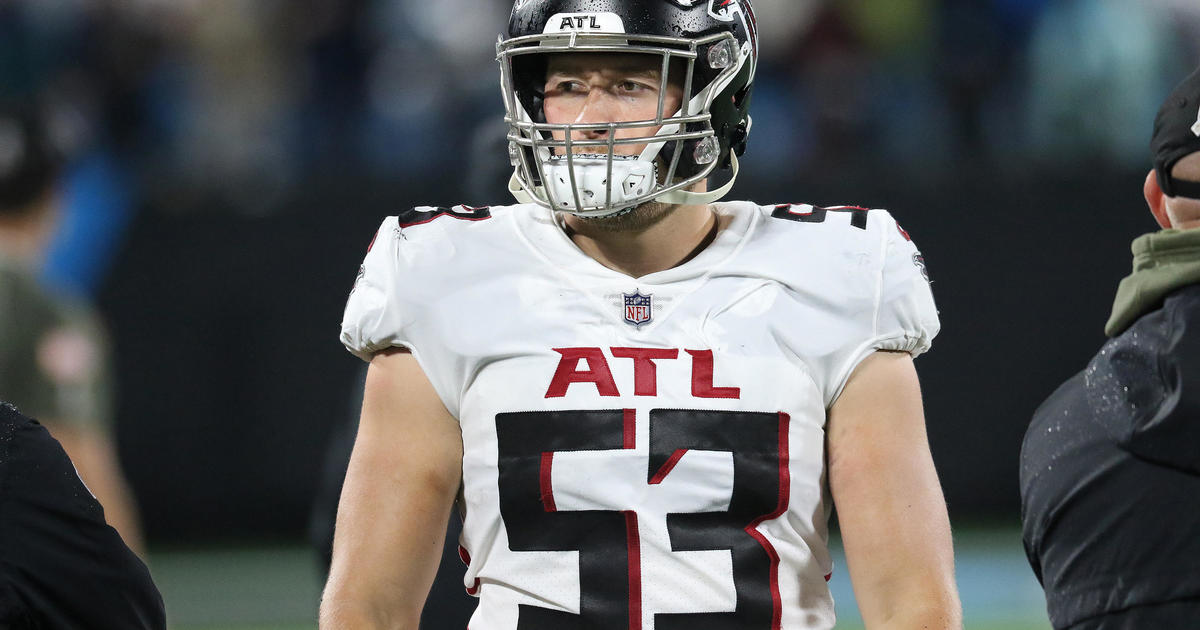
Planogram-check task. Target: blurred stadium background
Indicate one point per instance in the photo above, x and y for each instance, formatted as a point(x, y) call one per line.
point(232, 158)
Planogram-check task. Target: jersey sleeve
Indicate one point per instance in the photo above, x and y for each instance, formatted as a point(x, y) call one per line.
point(375, 317)
point(412, 265)
point(903, 316)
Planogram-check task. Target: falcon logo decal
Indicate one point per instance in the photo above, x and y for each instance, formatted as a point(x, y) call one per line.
point(724, 10)
point(730, 10)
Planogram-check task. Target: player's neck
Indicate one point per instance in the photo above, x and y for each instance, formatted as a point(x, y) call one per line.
point(679, 235)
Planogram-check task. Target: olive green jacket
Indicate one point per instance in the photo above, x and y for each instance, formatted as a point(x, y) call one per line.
point(1162, 263)
point(53, 355)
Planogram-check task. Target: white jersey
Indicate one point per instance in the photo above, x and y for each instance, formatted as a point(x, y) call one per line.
point(643, 453)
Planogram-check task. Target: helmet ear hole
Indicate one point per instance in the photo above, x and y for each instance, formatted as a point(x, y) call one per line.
point(737, 140)
point(529, 77)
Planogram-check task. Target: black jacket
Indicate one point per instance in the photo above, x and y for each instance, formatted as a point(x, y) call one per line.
point(61, 566)
point(1110, 480)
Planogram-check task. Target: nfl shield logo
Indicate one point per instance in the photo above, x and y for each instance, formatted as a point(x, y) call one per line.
point(637, 308)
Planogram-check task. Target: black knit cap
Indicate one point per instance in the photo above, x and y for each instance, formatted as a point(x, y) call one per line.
point(1177, 135)
point(29, 161)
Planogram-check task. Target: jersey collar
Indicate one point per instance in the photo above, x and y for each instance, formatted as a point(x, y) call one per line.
point(539, 229)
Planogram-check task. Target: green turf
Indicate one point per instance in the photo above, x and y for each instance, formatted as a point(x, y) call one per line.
point(969, 626)
point(260, 589)
point(274, 627)
point(276, 588)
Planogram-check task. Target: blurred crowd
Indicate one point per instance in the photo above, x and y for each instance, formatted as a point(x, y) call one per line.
point(254, 94)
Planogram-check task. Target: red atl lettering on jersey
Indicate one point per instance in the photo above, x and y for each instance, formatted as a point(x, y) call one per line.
point(645, 372)
point(568, 372)
point(702, 377)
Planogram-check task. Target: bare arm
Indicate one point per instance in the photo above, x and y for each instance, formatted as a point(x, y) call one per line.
point(404, 474)
point(890, 507)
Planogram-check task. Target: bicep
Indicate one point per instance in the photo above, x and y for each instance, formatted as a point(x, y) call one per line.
point(889, 502)
point(404, 473)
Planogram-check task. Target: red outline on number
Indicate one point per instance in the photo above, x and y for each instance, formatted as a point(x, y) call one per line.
point(785, 482)
point(630, 438)
point(668, 466)
point(634, 542)
point(547, 482)
point(633, 539)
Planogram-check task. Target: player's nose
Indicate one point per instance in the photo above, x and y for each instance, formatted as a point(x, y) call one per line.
point(598, 109)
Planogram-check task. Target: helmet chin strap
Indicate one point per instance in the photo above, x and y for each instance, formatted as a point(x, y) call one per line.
point(518, 191)
point(689, 198)
point(678, 197)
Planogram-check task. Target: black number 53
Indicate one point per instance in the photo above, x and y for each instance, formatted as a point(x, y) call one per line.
point(607, 541)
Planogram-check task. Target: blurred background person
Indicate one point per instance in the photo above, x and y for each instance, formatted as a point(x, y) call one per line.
point(1110, 466)
point(53, 354)
point(61, 566)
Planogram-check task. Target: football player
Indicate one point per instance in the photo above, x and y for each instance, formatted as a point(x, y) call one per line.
point(644, 402)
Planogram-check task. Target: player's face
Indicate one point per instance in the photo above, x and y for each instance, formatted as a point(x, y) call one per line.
point(600, 88)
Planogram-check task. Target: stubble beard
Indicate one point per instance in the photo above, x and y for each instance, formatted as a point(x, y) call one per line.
point(640, 219)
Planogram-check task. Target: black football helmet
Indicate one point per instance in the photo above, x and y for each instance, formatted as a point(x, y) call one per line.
point(714, 43)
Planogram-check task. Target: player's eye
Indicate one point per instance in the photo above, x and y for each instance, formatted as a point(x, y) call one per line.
point(565, 87)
